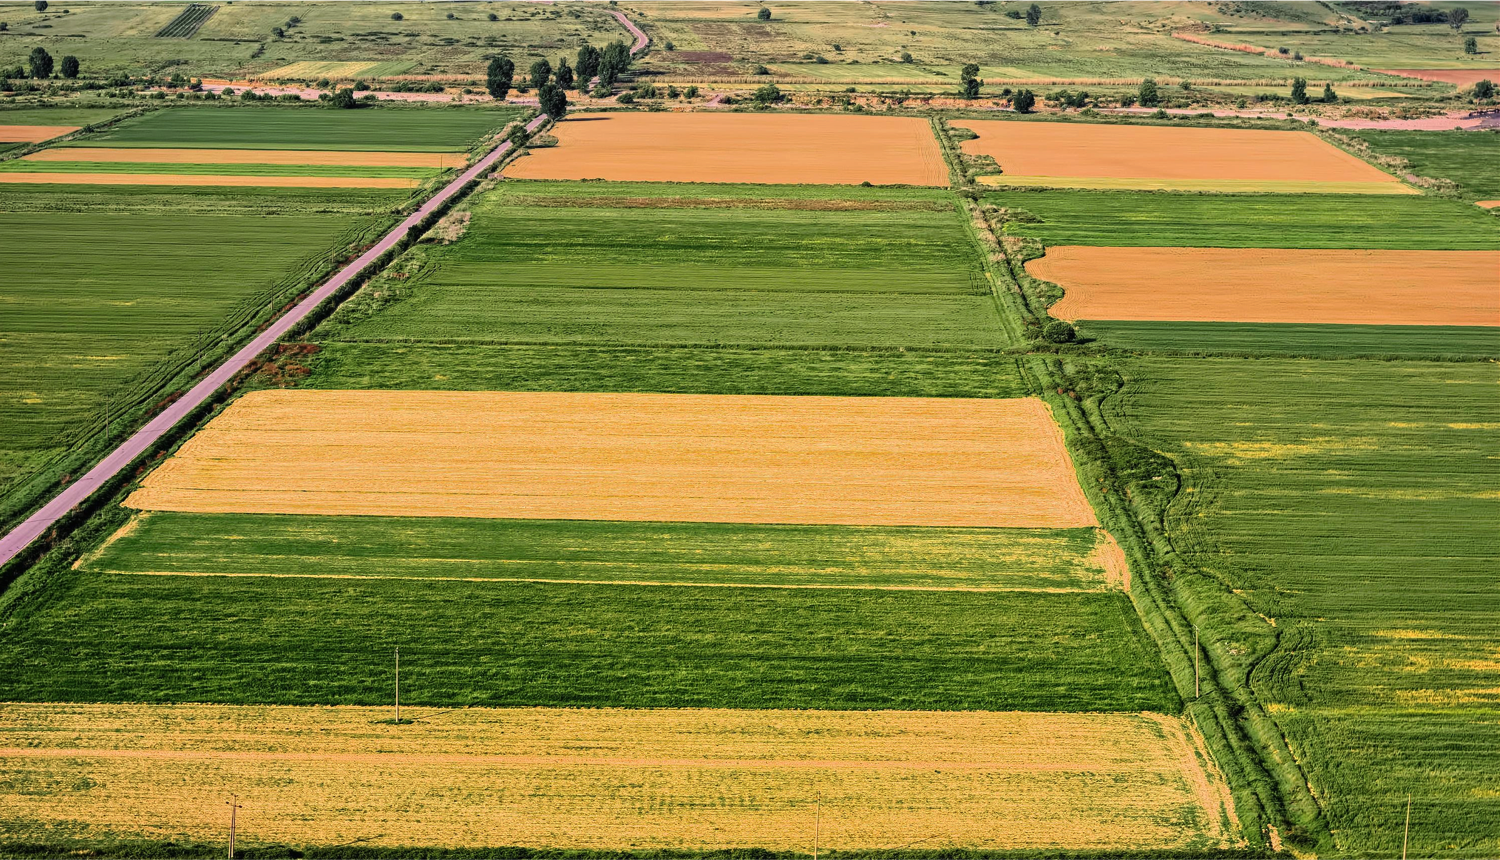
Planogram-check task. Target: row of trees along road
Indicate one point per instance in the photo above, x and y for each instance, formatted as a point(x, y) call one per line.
point(552, 83)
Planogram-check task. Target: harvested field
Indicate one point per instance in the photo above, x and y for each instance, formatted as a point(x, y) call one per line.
point(1488, 204)
point(1084, 155)
point(703, 147)
point(146, 155)
point(207, 179)
point(33, 133)
point(820, 460)
point(602, 779)
point(1237, 186)
point(1369, 287)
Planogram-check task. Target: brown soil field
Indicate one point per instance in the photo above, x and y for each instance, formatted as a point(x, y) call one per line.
point(651, 457)
point(208, 179)
point(250, 156)
point(1488, 204)
point(1274, 286)
point(756, 148)
point(1457, 77)
point(611, 779)
point(34, 133)
point(1068, 150)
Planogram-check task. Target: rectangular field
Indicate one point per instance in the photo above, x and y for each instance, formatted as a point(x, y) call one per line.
point(599, 779)
point(885, 461)
point(768, 148)
point(1354, 503)
point(1068, 154)
point(205, 179)
point(1362, 287)
point(149, 155)
point(307, 128)
point(1465, 157)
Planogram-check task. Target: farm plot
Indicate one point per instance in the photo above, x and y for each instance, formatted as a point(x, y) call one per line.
point(1363, 287)
point(534, 267)
point(704, 147)
point(94, 326)
point(312, 69)
point(599, 779)
point(384, 129)
point(231, 167)
point(887, 461)
point(1354, 504)
point(1081, 155)
point(1467, 158)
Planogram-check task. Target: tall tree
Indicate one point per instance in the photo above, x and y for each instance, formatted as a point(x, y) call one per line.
point(553, 100)
point(1033, 15)
point(501, 74)
point(541, 72)
point(970, 81)
point(1148, 95)
point(588, 64)
point(1458, 17)
point(1329, 95)
point(1024, 101)
point(70, 66)
point(613, 62)
point(40, 62)
point(1299, 91)
point(564, 74)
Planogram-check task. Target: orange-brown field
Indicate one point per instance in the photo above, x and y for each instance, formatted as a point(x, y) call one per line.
point(147, 155)
point(1488, 204)
point(209, 179)
point(612, 779)
point(1056, 153)
point(34, 133)
point(1274, 286)
point(756, 148)
point(678, 457)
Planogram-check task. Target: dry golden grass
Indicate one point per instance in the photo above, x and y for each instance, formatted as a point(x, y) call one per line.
point(612, 779)
point(209, 179)
point(1274, 286)
point(1241, 186)
point(34, 133)
point(756, 148)
point(678, 457)
point(148, 155)
point(1066, 151)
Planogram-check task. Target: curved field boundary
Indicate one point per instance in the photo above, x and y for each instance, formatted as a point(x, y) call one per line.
point(19, 178)
point(332, 158)
point(120, 458)
point(687, 779)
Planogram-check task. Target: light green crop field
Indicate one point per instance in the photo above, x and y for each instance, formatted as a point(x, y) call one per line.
point(110, 302)
point(1465, 157)
point(1307, 340)
point(55, 115)
point(1354, 503)
point(23, 166)
point(1403, 47)
point(382, 128)
point(701, 271)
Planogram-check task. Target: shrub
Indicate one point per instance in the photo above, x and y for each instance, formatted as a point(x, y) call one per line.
point(1024, 101)
point(343, 99)
point(1033, 15)
point(1299, 91)
point(493, 17)
point(691, 92)
point(626, 98)
point(1484, 89)
point(1148, 95)
point(41, 5)
point(905, 57)
point(1471, 45)
point(397, 16)
point(1058, 331)
point(70, 66)
point(451, 16)
point(764, 14)
point(1329, 95)
point(760, 70)
point(361, 86)
point(768, 94)
point(670, 46)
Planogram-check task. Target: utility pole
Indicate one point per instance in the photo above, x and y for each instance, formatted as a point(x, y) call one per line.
point(1197, 684)
point(1406, 833)
point(234, 805)
point(398, 685)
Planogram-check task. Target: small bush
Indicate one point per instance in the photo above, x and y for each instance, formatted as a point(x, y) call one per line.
point(494, 17)
point(1058, 331)
point(397, 16)
point(764, 14)
point(626, 98)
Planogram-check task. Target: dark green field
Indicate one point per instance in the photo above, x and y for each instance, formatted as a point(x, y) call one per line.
point(1123, 219)
point(1311, 340)
point(321, 641)
point(24, 166)
point(1354, 503)
point(1465, 157)
point(257, 127)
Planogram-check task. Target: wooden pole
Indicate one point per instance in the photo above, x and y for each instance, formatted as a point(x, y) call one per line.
point(1406, 833)
point(234, 805)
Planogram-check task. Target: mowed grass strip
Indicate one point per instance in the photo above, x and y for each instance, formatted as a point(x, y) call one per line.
point(622, 552)
point(1364, 287)
point(597, 779)
point(748, 148)
point(327, 641)
point(303, 128)
point(1068, 152)
point(680, 457)
point(1065, 217)
point(1354, 503)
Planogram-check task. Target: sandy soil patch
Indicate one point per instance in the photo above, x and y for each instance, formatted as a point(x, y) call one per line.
point(34, 133)
point(1070, 151)
point(250, 156)
point(711, 147)
point(1274, 285)
point(614, 779)
point(1457, 77)
point(208, 179)
point(672, 457)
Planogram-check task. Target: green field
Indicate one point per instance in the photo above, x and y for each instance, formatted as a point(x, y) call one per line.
point(15, 115)
point(1465, 157)
point(1308, 340)
point(1354, 503)
point(99, 327)
point(384, 128)
point(24, 166)
point(1122, 219)
point(700, 271)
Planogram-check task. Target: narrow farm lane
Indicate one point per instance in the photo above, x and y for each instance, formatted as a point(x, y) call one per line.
point(641, 39)
point(118, 459)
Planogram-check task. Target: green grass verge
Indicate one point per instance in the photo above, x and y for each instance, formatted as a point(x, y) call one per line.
point(479, 367)
point(24, 166)
point(1465, 157)
point(1250, 221)
point(1353, 503)
point(311, 641)
point(1308, 340)
point(258, 127)
point(589, 551)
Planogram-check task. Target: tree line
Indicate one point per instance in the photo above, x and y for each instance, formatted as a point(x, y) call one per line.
point(552, 83)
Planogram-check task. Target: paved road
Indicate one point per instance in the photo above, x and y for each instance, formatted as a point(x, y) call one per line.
point(641, 39)
point(121, 457)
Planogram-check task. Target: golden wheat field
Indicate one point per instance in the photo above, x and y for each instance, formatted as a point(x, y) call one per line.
point(613, 779)
point(681, 457)
point(331, 158)
point(207, 179)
